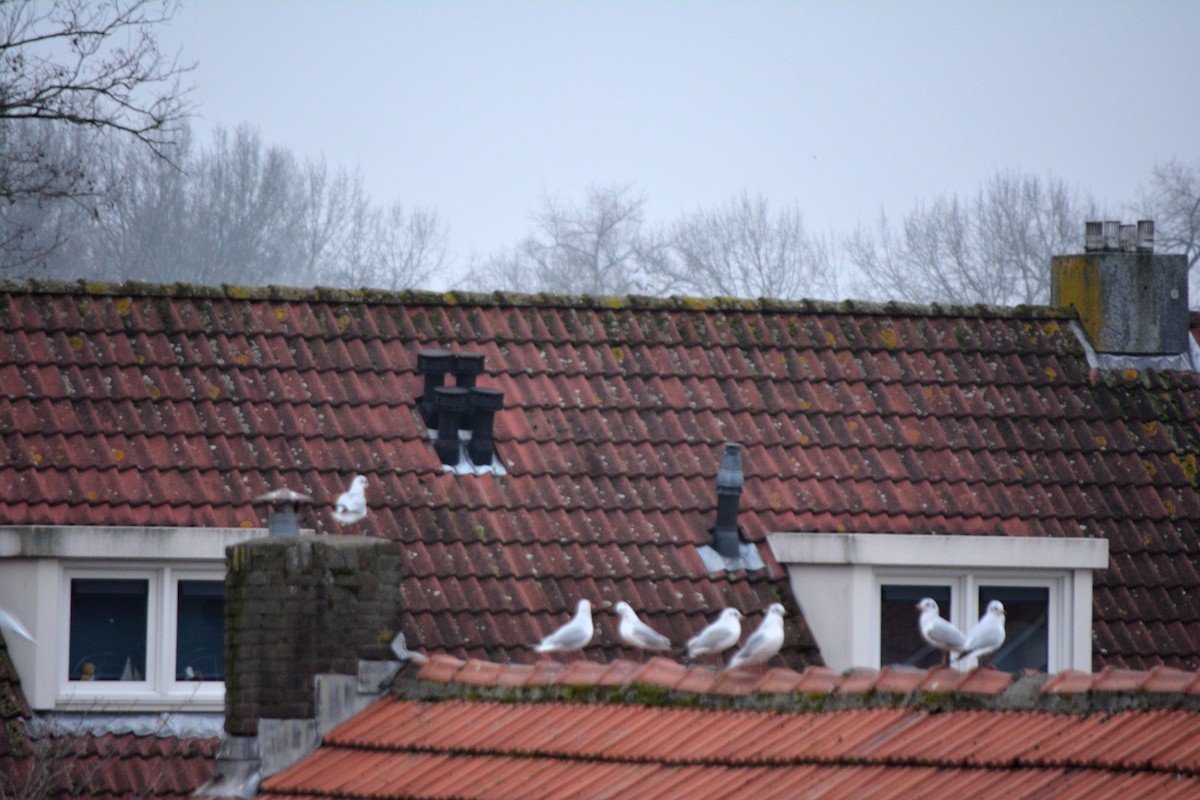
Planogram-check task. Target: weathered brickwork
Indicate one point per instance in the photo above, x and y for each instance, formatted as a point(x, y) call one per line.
point(298, 607)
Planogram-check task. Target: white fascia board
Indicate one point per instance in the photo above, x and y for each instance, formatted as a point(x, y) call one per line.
point(935, 550)
point(114, 542)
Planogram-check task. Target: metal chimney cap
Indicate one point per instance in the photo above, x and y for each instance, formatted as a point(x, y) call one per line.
point(729, 477)
point(486, 398)
point(469, 363)
point(434, 361)
point(283, 496)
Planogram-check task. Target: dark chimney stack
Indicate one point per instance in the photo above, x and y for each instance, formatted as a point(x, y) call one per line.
point(433, 364)
point(484, 405)
point(729, 492)
point(451, 404)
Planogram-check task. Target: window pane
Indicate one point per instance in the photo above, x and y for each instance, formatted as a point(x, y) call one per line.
point(108, 629)
point(900, 639)
point(200, 637)
point(1026, 629)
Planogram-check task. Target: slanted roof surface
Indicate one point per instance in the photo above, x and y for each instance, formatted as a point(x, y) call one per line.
point(864, 735)
point(141, 405)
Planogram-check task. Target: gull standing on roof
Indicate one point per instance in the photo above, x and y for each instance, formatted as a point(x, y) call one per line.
point(937, 632)
point(987, 636)
point(575, 635)
point(636, 633)
point(721, 634)
point(351, 506)
point(766, 641)
point(9, 622)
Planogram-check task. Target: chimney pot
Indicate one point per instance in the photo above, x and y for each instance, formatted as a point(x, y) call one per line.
point(450, 402)
point(1145, 236)
point(1112, 234)
point(485, 403)
point(433, 364)
point(1093, 236)
point(1128, 238)
point(466, 367)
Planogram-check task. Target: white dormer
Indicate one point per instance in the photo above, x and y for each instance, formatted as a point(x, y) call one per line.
point(123, 618)
point(858, 591)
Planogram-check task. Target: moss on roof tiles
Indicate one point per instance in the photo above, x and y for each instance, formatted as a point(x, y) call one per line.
point(414, 297)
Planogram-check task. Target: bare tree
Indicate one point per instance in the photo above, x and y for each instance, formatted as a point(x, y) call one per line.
point(1172, 200)
point(741, 250)
point(92, 65)
point(994, 249)
point(600, 247)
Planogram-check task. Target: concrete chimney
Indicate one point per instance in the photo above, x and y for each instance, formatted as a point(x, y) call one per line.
point(302, 614)
point(1130, 301)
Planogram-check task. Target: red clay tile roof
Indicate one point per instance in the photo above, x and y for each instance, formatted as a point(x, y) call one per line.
point(907, 745)
point(108, 767)
point(178, 405)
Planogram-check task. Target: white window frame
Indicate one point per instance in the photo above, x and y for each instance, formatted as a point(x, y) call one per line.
point(159, 683)
point(36, 565)
point(964, 602)
point(836, 579)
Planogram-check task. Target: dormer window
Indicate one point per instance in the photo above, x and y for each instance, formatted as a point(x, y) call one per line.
point(124, 618)
point(858, 593)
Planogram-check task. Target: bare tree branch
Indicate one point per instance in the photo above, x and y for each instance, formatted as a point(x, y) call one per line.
point(92, 65)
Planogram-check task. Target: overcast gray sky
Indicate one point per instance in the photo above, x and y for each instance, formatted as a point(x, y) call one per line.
point(476, 109)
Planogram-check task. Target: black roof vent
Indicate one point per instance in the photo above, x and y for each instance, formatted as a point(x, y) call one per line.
point(433, 364)
point(466, 367)
point(451, 403)
point(729, 492)
point(484, 405)
point(728, 552)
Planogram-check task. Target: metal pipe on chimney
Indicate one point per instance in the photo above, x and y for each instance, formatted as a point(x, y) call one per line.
point(729, 491)
point(1093, 236)
point(283, 514)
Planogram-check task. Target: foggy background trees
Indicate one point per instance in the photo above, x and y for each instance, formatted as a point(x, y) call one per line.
point(101, 178)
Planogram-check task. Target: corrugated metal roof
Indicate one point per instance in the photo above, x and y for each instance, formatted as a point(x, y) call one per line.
point(475, 748)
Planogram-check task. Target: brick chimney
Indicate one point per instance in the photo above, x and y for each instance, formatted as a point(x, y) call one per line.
point(1130, 300)
point(304, 617)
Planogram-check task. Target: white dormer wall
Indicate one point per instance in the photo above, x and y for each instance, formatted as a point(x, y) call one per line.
point(36, 565)
point(837, 577)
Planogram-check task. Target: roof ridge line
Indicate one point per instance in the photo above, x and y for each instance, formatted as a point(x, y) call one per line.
point(664, 682)
point(418, 297)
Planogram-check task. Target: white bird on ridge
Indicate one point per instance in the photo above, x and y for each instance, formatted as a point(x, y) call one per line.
point(937, 632)
point(636, 633)
point(766, 641)
point(575, 635)
point(721, 634)
point(987, 636)
point(10, 623)
point(351, 506)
